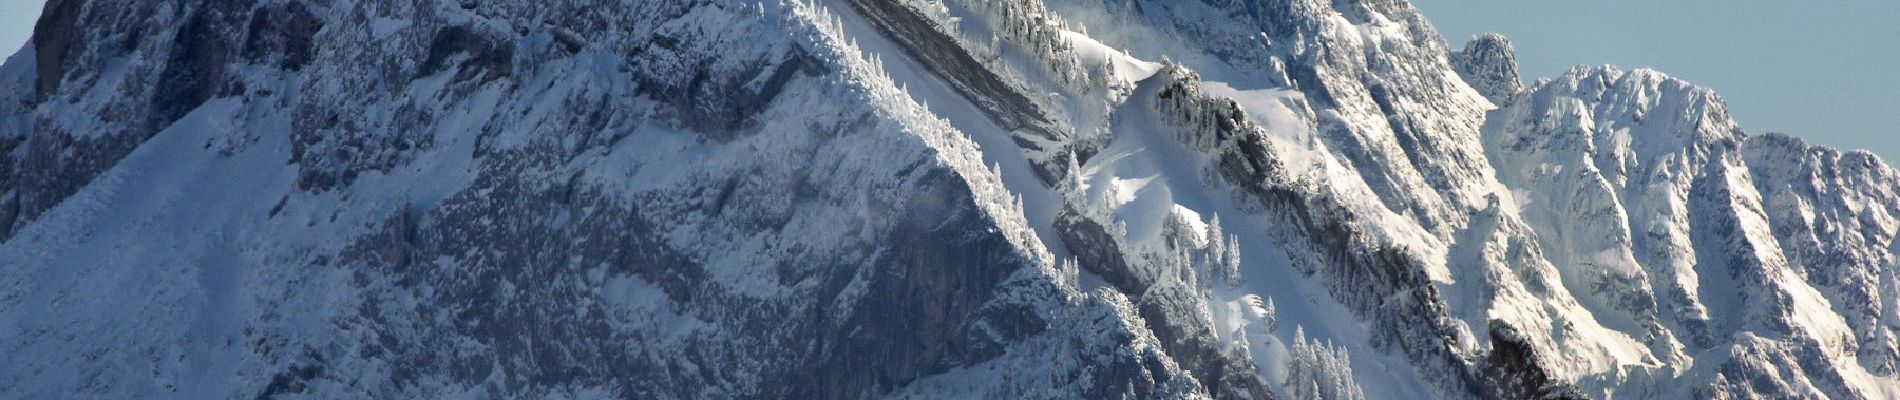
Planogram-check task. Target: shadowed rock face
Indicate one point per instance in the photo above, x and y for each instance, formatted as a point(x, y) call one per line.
point(56, 38)
point(200, 52)
point(947, 59)
point(1514, 370)
point(64, 45)
point(1009, 108)
point(282, 31)
point(916, 313)
point(484, 55)
point(183, 64)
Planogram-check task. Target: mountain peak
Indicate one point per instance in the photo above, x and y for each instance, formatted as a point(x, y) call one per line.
point(1489, 64)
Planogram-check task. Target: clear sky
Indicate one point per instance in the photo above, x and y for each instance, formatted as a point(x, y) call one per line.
point(16, 23)
point(1824, 70)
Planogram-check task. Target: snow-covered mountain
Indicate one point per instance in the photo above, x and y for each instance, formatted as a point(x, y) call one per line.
point(1256, 199)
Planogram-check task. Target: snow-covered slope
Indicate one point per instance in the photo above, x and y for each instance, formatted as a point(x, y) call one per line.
point(904, 198)
point(1706, 238)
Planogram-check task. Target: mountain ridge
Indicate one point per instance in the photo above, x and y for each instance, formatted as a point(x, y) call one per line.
point(904, 198)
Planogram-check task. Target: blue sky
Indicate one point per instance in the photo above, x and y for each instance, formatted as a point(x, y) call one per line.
point(16, 23)
point(1825, 70)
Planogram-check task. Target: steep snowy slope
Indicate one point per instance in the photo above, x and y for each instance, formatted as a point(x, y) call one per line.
point(662, 203)
point(904, 198)
point(1705, 236)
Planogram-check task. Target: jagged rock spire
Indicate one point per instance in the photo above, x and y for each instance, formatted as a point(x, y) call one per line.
point(1489, 64)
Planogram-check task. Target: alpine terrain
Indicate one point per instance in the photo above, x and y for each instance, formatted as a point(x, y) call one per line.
point(817, 199)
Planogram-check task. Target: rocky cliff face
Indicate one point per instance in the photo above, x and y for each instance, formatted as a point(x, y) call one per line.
point(1489, 64)
point(903, 198)
point(678, 199)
